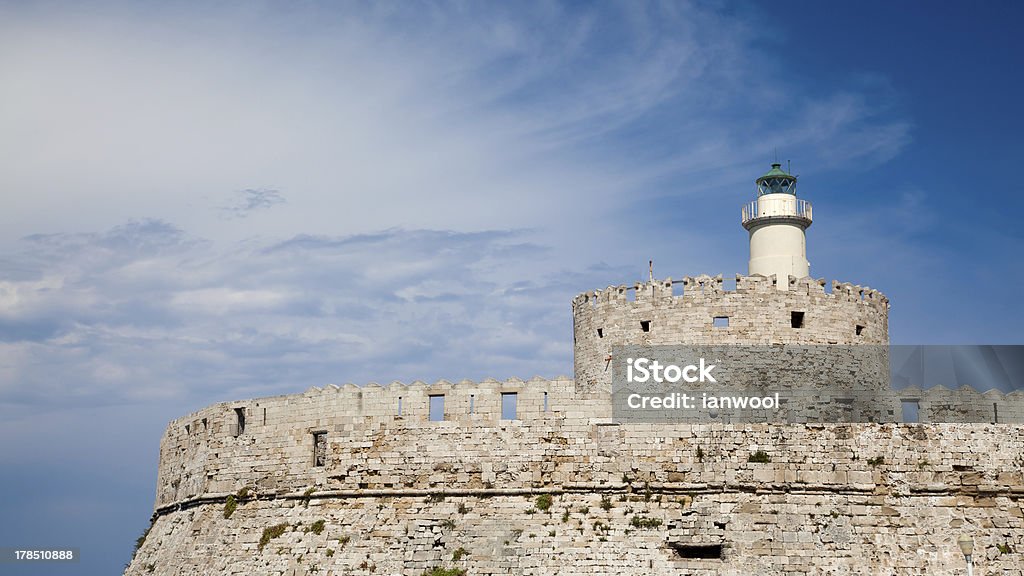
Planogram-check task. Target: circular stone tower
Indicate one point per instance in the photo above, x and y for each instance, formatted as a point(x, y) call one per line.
point(776, 220)
point(777, 303)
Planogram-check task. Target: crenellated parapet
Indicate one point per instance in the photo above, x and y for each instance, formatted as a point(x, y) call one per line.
point(506, 436)
point(696, 287)
point(704, 310)
point(272, 441)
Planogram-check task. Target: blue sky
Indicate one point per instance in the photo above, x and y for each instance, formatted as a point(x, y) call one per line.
point(205, 203)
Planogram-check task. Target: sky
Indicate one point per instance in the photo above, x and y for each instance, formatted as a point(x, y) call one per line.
point(214, 201)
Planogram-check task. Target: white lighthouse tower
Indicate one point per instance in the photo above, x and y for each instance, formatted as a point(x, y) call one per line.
point(776, 221)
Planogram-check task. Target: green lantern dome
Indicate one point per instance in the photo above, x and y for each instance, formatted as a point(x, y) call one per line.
point(776, 181)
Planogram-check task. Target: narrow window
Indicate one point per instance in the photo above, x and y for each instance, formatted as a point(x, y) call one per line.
point(545, 401)
point(508, 405)
point(319, 448)
point(399, 405)
point(796, 319)
point(995, 413)
point(239, 421)
point(436, 407)
point(721, 322)
point(860, 330)
point(205, 424)
point(472, 403)
point(188, 429)
point(910, 411)
point(600, 332)
point(706, 551)
point(645, 325)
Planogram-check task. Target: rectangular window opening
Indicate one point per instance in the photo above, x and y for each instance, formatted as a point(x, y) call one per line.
point(600, 332)
point(721, 322)
point(436, 407)
point(995, 413)
point(860, 330)
point(645, 325)
point(796, 319)
point(508, 405)
point(705, 551)
point(319, 448)
point(910, 411)
point(239, 421)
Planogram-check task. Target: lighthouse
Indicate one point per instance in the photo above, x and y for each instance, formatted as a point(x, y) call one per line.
point(777, 221)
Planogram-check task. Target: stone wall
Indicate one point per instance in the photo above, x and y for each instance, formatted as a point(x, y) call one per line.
point(404, 493)
point(204, 452)
point(939, 404)
point(655, 313)
point(207, 453)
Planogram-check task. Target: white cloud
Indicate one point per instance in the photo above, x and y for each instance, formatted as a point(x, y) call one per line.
point(220, 301)
point(186, 321)
point(375, 192)
point(440, 117)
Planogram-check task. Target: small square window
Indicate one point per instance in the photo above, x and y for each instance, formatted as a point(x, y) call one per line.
point(437, 408)
point(721, 322)
point(860, 330)
point(239, 427)
point(706, 551)
point(645, 325)
point(319, 448)
point(508, 405)
point(796, 319)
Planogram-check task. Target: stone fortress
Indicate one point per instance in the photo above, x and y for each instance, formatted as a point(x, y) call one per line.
point(536, 477)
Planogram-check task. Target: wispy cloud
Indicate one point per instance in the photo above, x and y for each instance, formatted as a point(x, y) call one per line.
point(439, 116)
point(245, 202)
point(164, 316)
point(455, 173)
